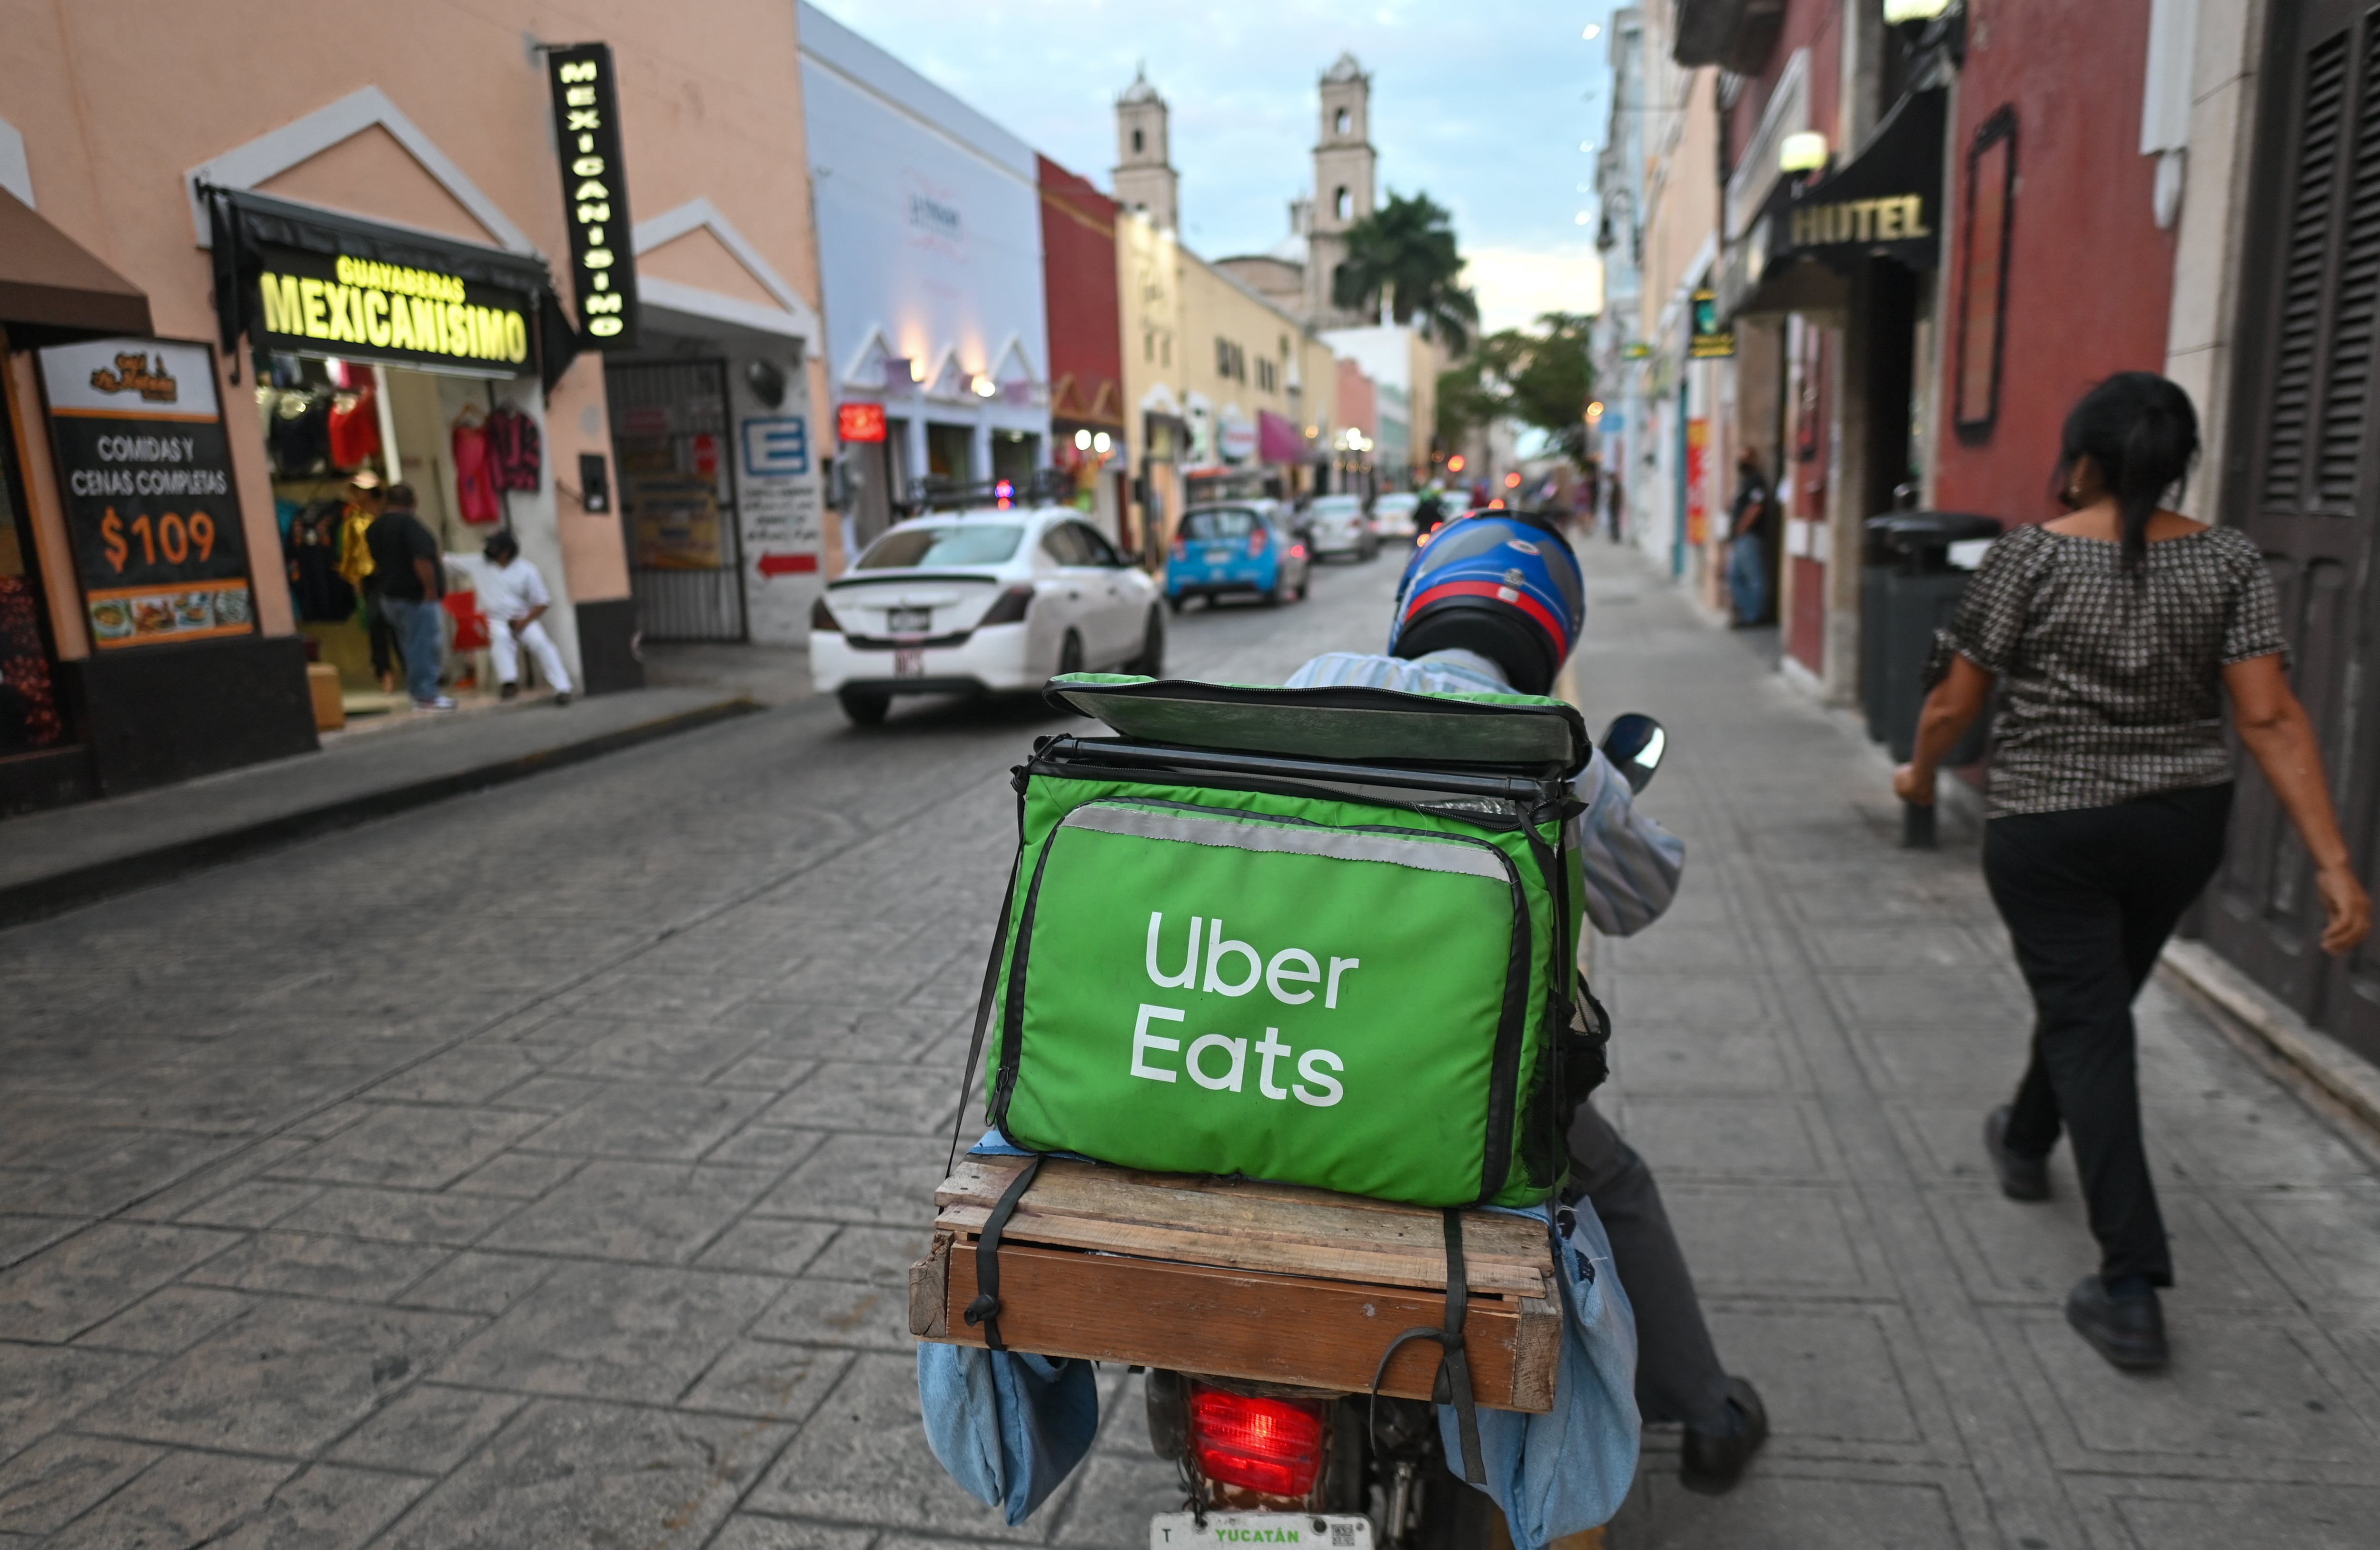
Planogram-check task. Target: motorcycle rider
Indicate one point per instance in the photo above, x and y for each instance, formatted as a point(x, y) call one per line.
point(1492, 604)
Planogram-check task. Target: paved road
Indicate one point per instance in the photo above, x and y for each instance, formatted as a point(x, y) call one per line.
point(542, 1168)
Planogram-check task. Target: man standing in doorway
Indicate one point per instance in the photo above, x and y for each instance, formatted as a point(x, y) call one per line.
point(1747, 558)
point(412, 582)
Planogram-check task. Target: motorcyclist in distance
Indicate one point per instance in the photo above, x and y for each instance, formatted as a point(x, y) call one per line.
point(1493, 603)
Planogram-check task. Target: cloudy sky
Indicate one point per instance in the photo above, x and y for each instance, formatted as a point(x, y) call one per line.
point(1482, 104)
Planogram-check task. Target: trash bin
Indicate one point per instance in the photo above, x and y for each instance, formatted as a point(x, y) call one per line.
point(1908, 589)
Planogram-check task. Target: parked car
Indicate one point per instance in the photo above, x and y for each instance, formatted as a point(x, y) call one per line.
point(1237, 547)
point(1339, 525)
point(1392, 513)
point(982, 602)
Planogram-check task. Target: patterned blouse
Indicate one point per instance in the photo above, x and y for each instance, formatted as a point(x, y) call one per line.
point(2110, 689)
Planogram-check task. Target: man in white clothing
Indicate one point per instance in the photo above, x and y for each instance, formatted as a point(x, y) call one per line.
point(512, 599)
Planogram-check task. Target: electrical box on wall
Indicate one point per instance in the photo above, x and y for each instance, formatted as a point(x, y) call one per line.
point(594, 483)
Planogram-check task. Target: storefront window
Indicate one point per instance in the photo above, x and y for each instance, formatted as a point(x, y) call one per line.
point(30, 721)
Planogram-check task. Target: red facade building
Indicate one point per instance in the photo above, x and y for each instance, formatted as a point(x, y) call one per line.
point(1087, 411)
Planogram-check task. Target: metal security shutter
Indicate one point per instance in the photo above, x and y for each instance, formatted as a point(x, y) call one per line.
point(2304, 484)
point(677, 497)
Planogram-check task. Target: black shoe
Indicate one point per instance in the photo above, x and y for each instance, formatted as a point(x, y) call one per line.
point(561, 698)
point(2022, 1177)
point(2128, 1330)
point(1713, 1461)
point(508, 691)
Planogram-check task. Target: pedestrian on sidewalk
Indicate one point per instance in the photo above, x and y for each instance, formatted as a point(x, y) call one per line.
point(1747, 558)
point(512, 600)
point(411, 580)
point(2113, 634)
point(1452, 638)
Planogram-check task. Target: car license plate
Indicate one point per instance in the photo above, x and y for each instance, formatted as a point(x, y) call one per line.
point(1218, 554)
point(909, 663)
point(909, 621)
point(1174, 1530)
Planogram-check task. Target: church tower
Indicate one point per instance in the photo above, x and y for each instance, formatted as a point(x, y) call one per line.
point(1343, 169)
point(1145, 178)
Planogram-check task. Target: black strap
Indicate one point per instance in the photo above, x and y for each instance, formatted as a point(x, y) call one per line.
point(983, 1003)
point(1453, 1385)
point(985, 1309)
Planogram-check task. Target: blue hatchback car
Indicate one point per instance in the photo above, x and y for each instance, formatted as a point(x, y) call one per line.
point(1247, 547)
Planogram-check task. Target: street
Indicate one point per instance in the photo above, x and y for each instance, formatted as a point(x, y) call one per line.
point(543, 1167)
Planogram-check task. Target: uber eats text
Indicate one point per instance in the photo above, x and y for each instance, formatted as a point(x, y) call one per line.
point(1220, 1061)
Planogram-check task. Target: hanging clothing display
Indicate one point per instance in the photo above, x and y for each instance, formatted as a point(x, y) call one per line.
point(354, 428)
point(301, 436)
point(310, 548)
point(516, 449)
point(475, 485)
point(355, 555)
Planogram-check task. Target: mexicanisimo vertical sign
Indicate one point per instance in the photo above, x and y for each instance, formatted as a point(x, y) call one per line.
point(594, 194)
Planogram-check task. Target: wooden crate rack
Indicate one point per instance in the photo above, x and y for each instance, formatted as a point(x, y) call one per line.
point(1263, 1282)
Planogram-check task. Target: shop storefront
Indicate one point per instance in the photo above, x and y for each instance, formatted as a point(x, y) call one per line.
point(374, 350)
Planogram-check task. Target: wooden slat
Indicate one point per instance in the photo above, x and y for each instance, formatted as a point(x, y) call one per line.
point(1288, 1329)
point(1245, 1225)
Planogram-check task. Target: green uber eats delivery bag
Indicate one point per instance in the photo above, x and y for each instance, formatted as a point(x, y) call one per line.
point(1316, 936)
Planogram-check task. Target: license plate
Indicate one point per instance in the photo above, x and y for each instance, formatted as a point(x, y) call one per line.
point(909, 663)
point(1221, 556)
point(1173, 1531)
point(909, 621)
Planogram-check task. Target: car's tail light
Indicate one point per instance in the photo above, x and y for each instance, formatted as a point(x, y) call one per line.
point(1273, 1445)
point(1257, 542)
point(1008, 607)
point(822, 618)
point(1181, 548)
point(1297, 551)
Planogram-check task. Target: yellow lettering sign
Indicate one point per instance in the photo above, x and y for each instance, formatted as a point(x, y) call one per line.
point(579, 69)
point(316, 326)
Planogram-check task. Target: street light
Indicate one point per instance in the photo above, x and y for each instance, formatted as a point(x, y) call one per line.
point(1898, 11)
point(1595, 31)
point(1806, 151)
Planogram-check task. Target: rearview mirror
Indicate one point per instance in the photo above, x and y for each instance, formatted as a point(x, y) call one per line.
point(1634, 744)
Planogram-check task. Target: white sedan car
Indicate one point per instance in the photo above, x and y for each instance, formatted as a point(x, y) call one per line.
point(982, 602)
point(1392, 513)
point(1337, 526)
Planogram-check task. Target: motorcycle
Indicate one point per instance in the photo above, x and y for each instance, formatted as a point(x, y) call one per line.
point(1273, 1463)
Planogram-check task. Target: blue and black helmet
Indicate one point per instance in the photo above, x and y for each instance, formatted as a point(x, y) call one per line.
point(1502, 583)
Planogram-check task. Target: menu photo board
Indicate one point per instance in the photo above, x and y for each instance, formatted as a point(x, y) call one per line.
point(151, 512)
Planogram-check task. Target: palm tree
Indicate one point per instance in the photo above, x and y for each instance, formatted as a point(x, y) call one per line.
point(1403, 254)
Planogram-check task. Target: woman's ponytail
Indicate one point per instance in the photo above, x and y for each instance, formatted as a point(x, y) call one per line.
point(2141, 434)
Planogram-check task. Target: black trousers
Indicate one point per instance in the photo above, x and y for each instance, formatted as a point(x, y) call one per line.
point(1678, 1374)
point(2090, 898)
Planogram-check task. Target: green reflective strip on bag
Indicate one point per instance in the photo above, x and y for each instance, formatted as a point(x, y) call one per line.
point(1362, 1007)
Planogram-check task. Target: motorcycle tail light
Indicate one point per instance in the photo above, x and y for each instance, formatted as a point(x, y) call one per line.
point(822, 618)
point(1273, 1445)
point(1297, 551)
point(1008, 607)
point(1255, 543)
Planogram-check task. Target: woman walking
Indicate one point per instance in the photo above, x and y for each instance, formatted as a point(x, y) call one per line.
point(2113, 635)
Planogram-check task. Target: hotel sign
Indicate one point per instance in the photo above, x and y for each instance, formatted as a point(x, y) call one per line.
point(594, 194)
point(1886, 203)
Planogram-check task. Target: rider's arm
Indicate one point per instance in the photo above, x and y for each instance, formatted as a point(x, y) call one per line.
point(1631, 863)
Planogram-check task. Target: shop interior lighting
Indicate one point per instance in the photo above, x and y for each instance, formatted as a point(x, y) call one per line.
point(1100, 443)
point(1898, 11)
point(1804, 152)
point(1082, 441)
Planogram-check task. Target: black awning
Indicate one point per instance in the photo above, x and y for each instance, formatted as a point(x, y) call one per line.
point(245, 225)
point(1886, 202)
point(52, 289)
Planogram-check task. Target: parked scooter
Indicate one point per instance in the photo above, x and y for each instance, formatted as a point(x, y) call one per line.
point(1361, 1472)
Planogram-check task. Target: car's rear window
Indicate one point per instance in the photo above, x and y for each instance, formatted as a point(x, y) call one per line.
point(1219, 524)
point(961, 543)
point(1337, 505)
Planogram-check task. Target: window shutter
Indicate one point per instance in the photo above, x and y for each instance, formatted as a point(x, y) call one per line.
point(2304, 272)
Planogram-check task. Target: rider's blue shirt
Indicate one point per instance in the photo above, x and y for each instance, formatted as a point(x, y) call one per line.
point(1632, 864)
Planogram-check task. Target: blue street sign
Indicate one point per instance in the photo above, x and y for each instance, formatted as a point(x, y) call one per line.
point(777, 446)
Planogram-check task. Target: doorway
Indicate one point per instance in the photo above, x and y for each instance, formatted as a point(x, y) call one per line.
point(677, 498)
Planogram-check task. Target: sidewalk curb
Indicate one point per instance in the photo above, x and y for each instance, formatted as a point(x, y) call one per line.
point(121, 874)
point(2344, 1078)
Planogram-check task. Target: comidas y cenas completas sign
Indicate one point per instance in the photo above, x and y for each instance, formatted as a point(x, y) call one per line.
point(151, 508)
point(594, 194)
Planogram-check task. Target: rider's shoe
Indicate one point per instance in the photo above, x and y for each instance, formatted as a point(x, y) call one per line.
point(1713, 1461)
